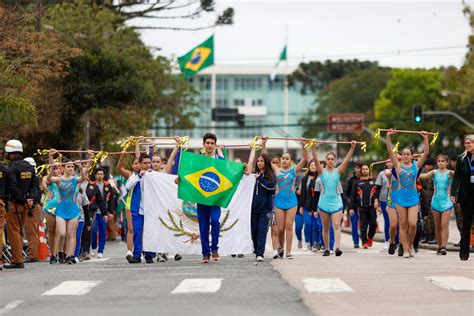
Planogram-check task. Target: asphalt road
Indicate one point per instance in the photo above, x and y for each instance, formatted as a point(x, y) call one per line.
point(360, 282)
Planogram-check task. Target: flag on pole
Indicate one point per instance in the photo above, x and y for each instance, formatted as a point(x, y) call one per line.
point(198, 58)
point(206, 180)
point(280, 59)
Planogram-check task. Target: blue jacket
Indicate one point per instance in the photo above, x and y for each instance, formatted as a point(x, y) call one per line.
point(263, 193)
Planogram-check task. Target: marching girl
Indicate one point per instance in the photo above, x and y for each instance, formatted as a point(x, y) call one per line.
point(441, 203)
point(308, 208)
point(406, 196)
point(51, 201)
point(67, 210)
point(330, 204)
point(392, 211)
point(262, 201)
point(285, 198)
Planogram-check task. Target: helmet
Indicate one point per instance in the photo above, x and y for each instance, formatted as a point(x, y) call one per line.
point(14, 146)
point(31, 161)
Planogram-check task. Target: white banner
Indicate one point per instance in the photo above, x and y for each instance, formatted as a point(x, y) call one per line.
point(171, 225)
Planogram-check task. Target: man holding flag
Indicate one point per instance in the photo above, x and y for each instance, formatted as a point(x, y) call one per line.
point(210, 181)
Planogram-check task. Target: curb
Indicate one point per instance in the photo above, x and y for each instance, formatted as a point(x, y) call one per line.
point(379, 237)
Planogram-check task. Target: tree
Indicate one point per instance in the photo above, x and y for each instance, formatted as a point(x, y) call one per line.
point(315, 76)
point(406, 88)
point(151, 11)
point(353, 93)
point(27, 61)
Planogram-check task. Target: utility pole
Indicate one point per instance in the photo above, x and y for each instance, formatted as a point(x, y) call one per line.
point(39, 13)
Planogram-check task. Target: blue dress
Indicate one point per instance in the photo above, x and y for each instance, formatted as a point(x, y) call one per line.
point(441, 201)
point(67, 207)
point(52, 201)
point(286, 196)
point(330, 201)
point(407, 195)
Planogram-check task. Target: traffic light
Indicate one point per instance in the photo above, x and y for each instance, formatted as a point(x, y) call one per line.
point(417, 114)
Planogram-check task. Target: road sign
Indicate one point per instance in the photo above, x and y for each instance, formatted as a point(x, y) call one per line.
point(345, 123)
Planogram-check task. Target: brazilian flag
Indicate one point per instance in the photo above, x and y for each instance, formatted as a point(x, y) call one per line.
point(208, 181)
point(200, 57)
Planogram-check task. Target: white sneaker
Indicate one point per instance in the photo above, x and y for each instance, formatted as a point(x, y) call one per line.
point(411, 252)
point(300, 244)
point(406, 254)
point(100, 255)
point(308, 246)
point(259, 259)
point(92, 253)
point(386, 245)
point(160, 258)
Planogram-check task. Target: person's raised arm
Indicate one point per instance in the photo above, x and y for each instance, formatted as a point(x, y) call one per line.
point(427, 175)
point(84, 170)
point(251, 161)
point(391, 154)
point(137, 146)
point(275, 169)
point(304, 159)
point(426, 150)
point(319, 167)
point(49, 178)
point(121, 168)
point(348, 158)
point(172, 157)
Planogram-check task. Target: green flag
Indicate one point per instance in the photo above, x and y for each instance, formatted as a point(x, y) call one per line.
point(200, 57)
point(280, 59)
point(208, 181)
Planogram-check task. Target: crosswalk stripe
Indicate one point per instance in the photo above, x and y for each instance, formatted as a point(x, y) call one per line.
point(72, 288)
point(333, 285)
point(96, 260)
point(452, 283)
point(198, 286)
point(10, 306)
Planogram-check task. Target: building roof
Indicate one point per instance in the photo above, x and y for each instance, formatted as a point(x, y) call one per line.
point(237, 69)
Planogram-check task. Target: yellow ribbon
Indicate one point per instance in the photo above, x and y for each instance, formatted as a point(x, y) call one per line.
point(364, 146)
point(395, 148)
point(40, 169)
point(127, 142)
point(377, 135)
point(371, 168)
point(184, 142)
point(435, 137)
point(255, 144)
point(42, 152)
point(310, 143)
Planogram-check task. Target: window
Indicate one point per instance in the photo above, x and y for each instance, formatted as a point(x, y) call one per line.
point(221, 84)
point(205, 103)
point(277, 84)
point(257, 102)
point(222, 103)
point(205, 83)
point(248, 83)
point(239, 102)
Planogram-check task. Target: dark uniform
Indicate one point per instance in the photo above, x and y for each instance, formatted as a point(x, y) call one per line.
point(8, 186)
point(428, 221)
point(96, 203)
point(19, 214)
point(362, 201)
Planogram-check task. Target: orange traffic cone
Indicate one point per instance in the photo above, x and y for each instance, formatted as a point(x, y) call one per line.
point(472, 235)
point(43, 251)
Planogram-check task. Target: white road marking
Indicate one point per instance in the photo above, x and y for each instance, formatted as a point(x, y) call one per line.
point(72, 288)
point(10, 306)
point(97, 260)
point(453, 283)
point(198, 286)
point(333, 285)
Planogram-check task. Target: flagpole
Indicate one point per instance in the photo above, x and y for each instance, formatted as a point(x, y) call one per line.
point(286, 112)
point(213, 97)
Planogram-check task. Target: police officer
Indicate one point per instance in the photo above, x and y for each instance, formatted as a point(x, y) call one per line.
point(20, 210)
point(7, 185)
point(33, 219)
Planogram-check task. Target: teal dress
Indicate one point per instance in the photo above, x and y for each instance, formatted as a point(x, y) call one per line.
point(52, 199)
point(441, 201)
point(286, 196)
point(407, 195)
point(67, 207)
point(330, 201)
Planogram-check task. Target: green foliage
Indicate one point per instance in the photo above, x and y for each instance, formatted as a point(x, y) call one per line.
point(16, 111)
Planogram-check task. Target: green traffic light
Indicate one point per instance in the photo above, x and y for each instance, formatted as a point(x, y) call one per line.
point(417, 119)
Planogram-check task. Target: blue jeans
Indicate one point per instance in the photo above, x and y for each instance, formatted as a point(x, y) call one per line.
point(310, 228)
point(299, 223)
point(355, 227)
point(209, 216)
point(259, 226)
point(386, 226)
point(100, 225)
point(80, 227)
point(137, 223)
point(320, 233)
